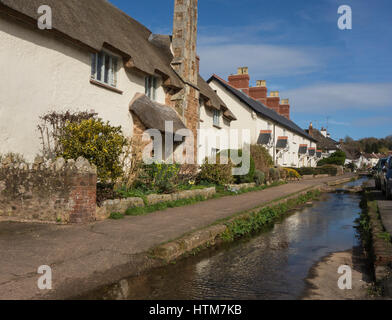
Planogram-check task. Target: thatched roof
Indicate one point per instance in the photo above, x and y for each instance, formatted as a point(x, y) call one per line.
point(212, 99)
point(154, 115)
point(96, 23)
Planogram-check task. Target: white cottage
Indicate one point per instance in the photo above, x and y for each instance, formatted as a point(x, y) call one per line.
point(96, 58)
point(288, 144)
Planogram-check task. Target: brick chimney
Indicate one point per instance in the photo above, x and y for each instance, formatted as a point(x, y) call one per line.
point(273, 101)
point(284, 108)
point(259, 92)
point(311, 129)
point(241, 80)
point(185, 39)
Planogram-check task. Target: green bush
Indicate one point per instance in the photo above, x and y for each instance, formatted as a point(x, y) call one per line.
point(250, 176)
point(259, 178)
point(219, 174)
point(306, 171)
point(261, 157)
point(274, 174)
point(159, 177)
point(98, 142)
point(338, 158)
point(327, 169)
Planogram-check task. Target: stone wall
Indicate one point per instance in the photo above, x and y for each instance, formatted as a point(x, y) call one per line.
point(48, 191)
point(122, 205)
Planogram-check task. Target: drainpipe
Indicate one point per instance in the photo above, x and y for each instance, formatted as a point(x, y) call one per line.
point(275, 162)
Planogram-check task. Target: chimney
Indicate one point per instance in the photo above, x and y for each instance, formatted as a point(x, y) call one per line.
point(259, 92)
point(185, 39)
point(311, 129)
point(241, 80)
point(273, 101)
point(284, 108)
point(324, 132)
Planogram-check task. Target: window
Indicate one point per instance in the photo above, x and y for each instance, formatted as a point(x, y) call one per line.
point(284, 132)
point(150, 85)
point(104, 68)
point(217, 115)
point(214, 152)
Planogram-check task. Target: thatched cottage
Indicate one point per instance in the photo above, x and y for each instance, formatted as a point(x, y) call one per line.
point(95, 57)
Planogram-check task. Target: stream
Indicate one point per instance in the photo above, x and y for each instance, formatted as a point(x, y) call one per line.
point(272, 265)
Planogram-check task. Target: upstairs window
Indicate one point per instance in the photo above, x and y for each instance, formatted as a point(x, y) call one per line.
point(150, 86)
point(104, 68)
point(217, 115)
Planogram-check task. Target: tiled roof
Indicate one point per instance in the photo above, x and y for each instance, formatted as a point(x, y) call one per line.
point(262, 110)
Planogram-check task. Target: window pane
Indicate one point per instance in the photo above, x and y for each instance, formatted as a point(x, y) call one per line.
point(106, 69)
point(114, 72)
point(93, 64)
point(100, 66)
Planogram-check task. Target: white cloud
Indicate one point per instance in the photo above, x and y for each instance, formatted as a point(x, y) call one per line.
point(329, 97)
point(263, 60)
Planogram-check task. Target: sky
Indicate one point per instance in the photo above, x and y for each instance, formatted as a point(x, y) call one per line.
point(336, 78)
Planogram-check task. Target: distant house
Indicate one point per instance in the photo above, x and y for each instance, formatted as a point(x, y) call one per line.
point(324, 142)
point(269, 124)
point(98, 58)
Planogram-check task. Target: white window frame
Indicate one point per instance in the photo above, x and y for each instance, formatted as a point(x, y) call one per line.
point(214, 152)
point(111, 71)
point(151, 87)
point(216, 117)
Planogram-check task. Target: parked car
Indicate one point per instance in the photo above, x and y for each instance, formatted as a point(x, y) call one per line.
point(388, 178)
point(378, 172)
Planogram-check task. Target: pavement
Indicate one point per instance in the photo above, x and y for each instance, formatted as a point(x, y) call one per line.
point(385, 208)
point(86, 257)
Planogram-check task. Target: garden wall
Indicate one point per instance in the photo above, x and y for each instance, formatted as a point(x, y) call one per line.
point(57, 191)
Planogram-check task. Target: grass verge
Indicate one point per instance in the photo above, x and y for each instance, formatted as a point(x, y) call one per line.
point(254, 222)
point(221, 192)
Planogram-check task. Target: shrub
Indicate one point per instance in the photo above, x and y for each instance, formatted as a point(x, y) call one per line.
point(219, 174)
point(159, 177)
point(327, 169)
point(292, 174)
point(306, 171)
point(98, 142)
point(51, 129)
point(261, 157)
point(274, 174)
point(337, 158)
point(259, 178)
point(250, 176)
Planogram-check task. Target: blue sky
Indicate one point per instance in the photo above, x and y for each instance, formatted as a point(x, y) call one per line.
point(342, 76)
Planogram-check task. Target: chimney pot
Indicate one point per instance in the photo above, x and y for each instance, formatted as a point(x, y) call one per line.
point(261, 83)
point(285, 102)
point(274, 94)
point(243, 70)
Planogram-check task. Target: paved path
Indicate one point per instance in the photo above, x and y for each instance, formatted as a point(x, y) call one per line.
point(77, 253)
point(385, 208)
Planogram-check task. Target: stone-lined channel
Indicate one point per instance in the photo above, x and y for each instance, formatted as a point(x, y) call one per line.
point(271, 265)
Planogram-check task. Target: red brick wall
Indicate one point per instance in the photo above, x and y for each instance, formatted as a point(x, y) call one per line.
point(51, 191)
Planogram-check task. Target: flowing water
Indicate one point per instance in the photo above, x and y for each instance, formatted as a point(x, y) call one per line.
point(271, 265)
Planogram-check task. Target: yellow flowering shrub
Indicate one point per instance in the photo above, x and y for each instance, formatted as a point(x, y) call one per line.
point(98, 142)
point(292, 174)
